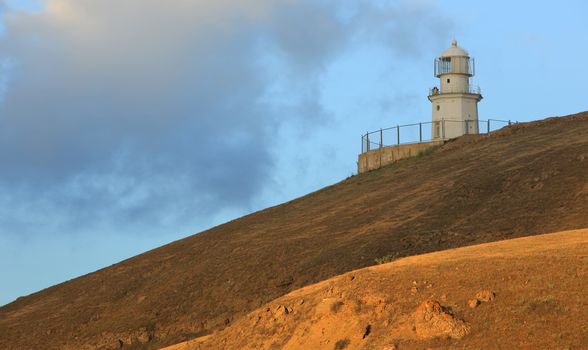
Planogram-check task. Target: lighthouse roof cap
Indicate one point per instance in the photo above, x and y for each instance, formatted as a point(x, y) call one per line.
point(455, 50)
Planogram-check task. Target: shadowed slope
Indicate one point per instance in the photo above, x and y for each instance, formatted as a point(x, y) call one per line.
point(526, 179)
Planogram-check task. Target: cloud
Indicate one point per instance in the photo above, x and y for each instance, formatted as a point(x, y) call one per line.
point(149, 115)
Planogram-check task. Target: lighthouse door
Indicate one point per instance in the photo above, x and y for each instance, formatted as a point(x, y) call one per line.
point(470, 126)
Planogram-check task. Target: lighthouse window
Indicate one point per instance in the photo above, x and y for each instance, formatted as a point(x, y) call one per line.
point(448, 81)
point(438, 107)
point(445, 64)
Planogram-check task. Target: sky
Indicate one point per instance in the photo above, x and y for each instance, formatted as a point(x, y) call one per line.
point(128, 124)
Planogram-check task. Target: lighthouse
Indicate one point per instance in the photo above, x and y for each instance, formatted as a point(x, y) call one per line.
point(454, 102)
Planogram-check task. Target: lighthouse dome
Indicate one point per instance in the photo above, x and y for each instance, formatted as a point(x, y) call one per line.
point(454, 51)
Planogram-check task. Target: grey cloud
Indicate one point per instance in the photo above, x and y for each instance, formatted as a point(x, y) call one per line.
point(307, 32)
point(406, 27)
point(145, 115)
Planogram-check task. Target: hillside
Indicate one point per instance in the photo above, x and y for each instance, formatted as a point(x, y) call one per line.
point(526, 179)
point(531, 289)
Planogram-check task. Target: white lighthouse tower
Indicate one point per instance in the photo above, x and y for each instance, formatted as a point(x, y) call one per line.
point(455, 103)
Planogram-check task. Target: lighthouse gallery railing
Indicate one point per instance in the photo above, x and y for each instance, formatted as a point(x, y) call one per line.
point(423, 132)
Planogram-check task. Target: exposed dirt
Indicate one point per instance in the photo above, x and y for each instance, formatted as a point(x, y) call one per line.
point(539, 303)
point(526, 179)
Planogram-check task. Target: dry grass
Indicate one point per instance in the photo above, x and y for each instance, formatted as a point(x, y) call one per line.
point(342, 344)
point(526, 179)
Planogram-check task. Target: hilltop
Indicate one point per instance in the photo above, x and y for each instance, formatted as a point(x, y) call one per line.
point(526, 179)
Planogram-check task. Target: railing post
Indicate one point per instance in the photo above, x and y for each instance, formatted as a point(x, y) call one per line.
point(398, 134)
point(488, 130)
point(509, 122)
point(421, 132)
point(367, 137)
point(362, 143)
point(381, 138)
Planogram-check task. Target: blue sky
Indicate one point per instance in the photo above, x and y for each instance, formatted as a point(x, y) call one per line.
point(125, 125)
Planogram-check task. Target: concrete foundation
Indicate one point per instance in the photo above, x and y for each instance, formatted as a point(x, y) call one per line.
point(380, 157)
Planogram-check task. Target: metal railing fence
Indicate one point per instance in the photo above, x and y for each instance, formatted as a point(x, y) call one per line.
point(424, 132)
point(475, 90)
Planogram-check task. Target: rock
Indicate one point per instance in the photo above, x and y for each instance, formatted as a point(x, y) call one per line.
point(473, 303)
point(485, 295)
point(282, 310)
point(414, 290)
point(433, 320)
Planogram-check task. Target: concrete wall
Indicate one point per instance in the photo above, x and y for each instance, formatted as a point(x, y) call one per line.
point(455, 83)
point(380, 157)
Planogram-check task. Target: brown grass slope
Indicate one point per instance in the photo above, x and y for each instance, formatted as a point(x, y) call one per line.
point(538, 284)
point(527, 179)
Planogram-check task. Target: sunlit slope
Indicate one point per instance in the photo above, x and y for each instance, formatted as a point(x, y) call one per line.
point(531, 296)
point(526, 179)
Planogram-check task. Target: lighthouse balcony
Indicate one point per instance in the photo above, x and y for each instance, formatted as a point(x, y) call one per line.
point(455, 90)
